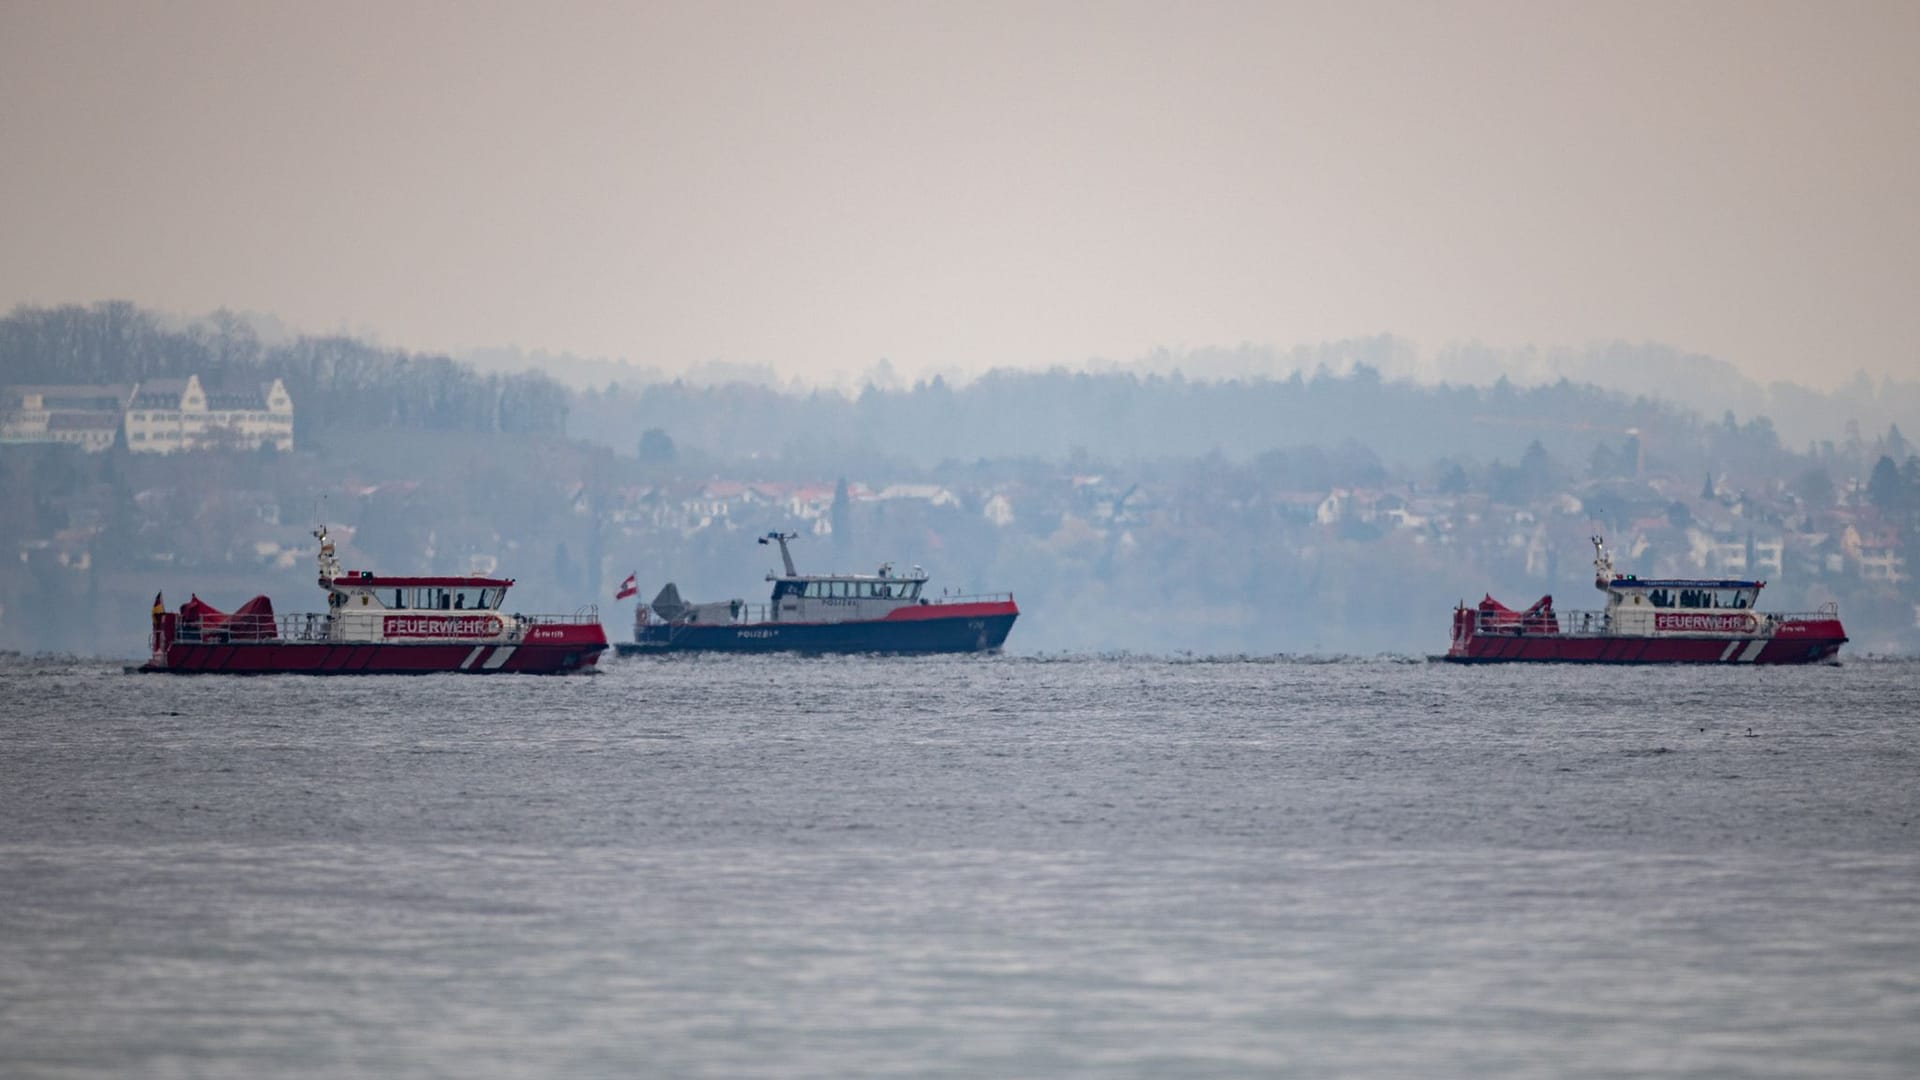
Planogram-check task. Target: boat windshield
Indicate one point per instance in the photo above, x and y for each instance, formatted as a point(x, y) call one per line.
point(441, 599)
point(1676, 597)
point(862, 590)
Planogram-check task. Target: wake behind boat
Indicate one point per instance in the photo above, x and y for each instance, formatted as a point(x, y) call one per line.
point(375, 625)
point(883, 612)
point(1646, 621)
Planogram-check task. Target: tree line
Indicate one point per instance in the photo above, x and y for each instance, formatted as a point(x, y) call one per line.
point(1122, 416)
point(335, 382)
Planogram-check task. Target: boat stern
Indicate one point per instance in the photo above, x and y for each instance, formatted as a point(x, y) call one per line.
point(564, 646)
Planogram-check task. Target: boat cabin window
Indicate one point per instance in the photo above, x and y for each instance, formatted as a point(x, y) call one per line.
point(894, 589)
point(436, 599)
point(1730, 599)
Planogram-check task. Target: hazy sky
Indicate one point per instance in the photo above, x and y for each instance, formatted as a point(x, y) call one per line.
point(817, 186)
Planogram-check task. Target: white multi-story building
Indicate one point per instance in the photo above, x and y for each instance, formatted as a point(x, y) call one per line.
point(170, 415)
point(85, 416)
point(158, 416)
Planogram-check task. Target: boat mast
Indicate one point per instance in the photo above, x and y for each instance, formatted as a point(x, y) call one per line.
point(329, 566)
point(1602, 564)
point(785, 555)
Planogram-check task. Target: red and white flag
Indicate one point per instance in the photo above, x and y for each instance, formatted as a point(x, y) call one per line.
point(627, 587)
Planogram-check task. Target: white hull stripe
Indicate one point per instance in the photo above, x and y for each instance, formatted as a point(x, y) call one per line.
point(1753, 650)
point(499, 657)
point(1728, 653)
point(478, 649)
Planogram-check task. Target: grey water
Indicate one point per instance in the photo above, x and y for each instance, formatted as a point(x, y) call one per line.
point(982, 866)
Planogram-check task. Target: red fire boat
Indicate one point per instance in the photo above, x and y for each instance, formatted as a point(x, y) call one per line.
point(376, 625)
point(1647, 621)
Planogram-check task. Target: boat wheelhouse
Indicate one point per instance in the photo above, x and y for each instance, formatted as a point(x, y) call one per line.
point(1647, 621)
point(885, 612)
point(376, 624)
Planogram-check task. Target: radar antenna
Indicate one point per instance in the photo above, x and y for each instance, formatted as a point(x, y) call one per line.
point(785, 555)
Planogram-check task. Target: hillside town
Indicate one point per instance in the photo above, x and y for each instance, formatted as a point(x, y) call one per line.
point(1342, 513)
point(1230, 548)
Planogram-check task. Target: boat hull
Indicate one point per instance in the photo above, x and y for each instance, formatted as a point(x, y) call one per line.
point(377, 658)
point(977, 628)
point(1809, 646)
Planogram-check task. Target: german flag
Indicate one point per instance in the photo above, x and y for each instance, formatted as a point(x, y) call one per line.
point(159, 608)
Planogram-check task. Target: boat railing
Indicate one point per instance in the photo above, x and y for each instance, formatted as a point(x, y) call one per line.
point(303, 626)
point(742, 613)
point(319, 626)
point(1598, 623)
point(1553, 624)
point(589, 613)
point(1827, 612)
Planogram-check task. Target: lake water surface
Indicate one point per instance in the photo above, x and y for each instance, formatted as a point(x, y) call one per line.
point(983, 866)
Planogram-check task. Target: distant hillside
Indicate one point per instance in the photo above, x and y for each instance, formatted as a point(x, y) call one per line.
point(1694, 382)
point(1709, 385)
point(1060, 416)
point(336, 383)
point(1705, 384)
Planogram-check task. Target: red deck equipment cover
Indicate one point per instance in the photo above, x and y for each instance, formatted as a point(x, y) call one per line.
point(251, 621)
point(1538, 619)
